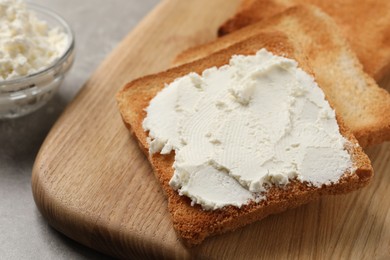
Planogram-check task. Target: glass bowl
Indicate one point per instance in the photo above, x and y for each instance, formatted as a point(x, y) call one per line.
point(23, 95)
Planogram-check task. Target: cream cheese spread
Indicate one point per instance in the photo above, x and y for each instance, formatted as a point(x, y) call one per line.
point(27, 44)
point(238, 129)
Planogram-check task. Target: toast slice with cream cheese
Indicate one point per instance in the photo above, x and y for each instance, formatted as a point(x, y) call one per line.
point(163, 138)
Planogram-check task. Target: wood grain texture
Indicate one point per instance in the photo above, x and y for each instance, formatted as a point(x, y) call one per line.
point(92, 182)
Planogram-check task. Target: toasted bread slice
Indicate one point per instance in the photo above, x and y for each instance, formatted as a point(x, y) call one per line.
point(364, 106)
point(365, 23)
point(192, 223)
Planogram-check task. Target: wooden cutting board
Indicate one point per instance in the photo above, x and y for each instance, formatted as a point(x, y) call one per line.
point(92, 183)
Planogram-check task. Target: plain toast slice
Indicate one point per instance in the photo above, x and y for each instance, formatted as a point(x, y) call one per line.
point(365, 23)
point(192, 223)
point(364, 106)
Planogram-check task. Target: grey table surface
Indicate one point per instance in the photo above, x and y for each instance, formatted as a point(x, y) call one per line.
point(24, 234)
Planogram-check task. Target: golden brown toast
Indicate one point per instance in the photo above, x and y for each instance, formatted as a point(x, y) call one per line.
point(192, 223)
point(364, 106)
point(365, 23)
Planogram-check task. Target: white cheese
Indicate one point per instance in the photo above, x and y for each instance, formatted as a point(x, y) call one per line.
point(27, 44)
point(236, 130)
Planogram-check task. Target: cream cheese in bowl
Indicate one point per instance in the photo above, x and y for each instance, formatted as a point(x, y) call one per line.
point(36, 50)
